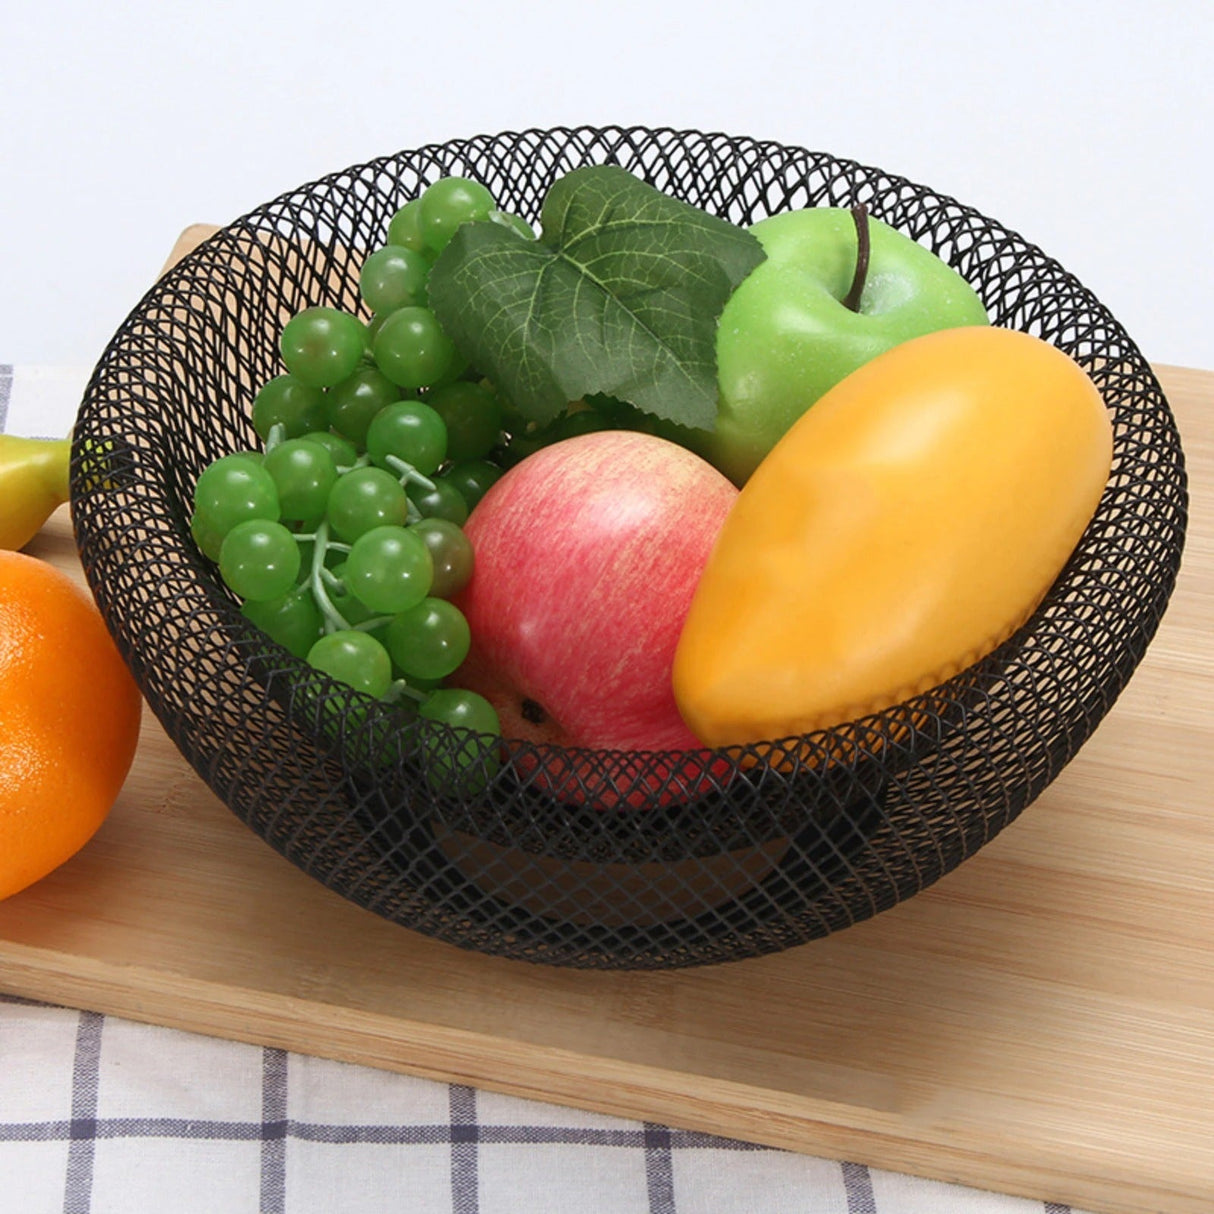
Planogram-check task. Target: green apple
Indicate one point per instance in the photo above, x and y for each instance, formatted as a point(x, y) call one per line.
point(837, 288)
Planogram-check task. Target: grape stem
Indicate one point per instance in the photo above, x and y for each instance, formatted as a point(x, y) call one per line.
point(277, 433)
point(309, 537)
point(333, 619)
point(400, 687)
point(374, 622)
point(407, 472)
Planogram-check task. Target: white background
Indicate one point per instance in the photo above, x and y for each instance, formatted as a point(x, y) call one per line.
point(1084, 126)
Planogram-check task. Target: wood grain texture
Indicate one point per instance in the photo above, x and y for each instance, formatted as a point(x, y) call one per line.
point(187, 242)
point(1039, 1022)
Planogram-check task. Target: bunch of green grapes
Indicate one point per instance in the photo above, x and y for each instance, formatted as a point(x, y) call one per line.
point(342, 535)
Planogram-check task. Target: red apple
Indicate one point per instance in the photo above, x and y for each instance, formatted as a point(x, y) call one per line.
point(587, 556)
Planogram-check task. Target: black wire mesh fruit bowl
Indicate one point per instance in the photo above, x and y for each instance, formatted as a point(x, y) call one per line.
point(702, 857)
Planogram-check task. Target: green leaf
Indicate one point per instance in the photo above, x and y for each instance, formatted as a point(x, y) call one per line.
point(620, 295)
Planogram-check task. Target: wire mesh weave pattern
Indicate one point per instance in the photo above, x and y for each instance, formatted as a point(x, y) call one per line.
point(703, 858)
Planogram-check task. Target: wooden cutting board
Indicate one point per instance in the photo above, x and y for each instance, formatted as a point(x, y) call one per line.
point(1039, 1022)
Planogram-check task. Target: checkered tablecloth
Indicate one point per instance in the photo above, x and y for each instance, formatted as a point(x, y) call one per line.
point(99, 1115)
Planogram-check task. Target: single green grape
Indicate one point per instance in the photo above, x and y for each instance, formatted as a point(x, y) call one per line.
point(232, 460)
point(449, 202)
point(412, 349)
point(304, 473)
point(354, 658)
point(259, 560)
point(443, 501)
point(292, 619)
point(231, 490)
point(356, 400)
point(290, 403)
point(508, 219)
point(473, 415)
point(451, 555)
point(404, 229)
point(463, 710)
point(389, 569)
point(322, 346)
point(393, 277)
point(428, 640)
point(459, 762)
point(342, 451)
point(365, 498)
point(411, 431)
point(473, 478)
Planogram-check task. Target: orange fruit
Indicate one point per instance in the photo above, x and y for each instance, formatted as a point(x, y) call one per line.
point(69, 720)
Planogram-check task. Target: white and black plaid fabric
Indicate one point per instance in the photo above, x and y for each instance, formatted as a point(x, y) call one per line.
point(99, 1115)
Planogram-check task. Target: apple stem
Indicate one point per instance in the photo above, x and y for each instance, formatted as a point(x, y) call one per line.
point(859, 213)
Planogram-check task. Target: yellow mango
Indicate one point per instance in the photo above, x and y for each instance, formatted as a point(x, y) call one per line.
point(906, 525)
